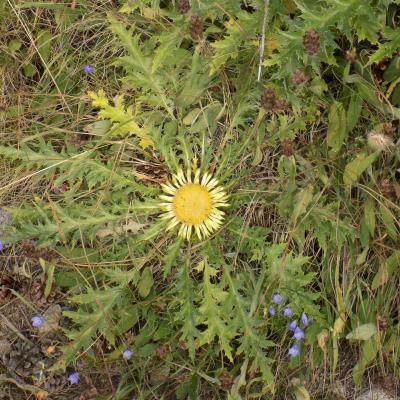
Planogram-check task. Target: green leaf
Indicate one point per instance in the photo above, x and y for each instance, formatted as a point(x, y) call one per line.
point(29, 70)
point(393, 71)
point(389, 221)
point(43, 41)
point(388, 47)
point(302, 199)
point(170, 258)
point(368, 354)
point(387, 270)
point(356, 167)
point(49, 280)
point(14, 45)
point(369, 215)
point(363, 332)
point(213, 315)
point(146, 283)
point(337, 131)
point(301, 393)
point(354, 111)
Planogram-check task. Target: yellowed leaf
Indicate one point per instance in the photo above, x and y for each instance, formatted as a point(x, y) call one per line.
point(51, 319)
point(130, 227)
point(323, 337)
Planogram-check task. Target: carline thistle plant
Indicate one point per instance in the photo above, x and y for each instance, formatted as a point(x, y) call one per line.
point(193, 202)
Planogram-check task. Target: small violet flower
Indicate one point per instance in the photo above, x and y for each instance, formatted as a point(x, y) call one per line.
point(37, 321)
point(292, 326)
point(61, 45)
point(294, 351)
point(73, 378)
point(298, 334)
point(272, 311)
point(277, 298)
point(304, 319)
point(127, 354)
point(88, 69)
point(287, 312)
point(1, 245)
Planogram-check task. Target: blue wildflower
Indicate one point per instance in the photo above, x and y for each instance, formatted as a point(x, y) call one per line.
point(127, 354)
point(287, 311)
point(88, 69)
point(304, 319)
point(277, 298)
point(292, 326)
point(73, 378)
point(37, 321)
point(272, 311)
point(1, 245)
point(294, 351)
point(298, 334)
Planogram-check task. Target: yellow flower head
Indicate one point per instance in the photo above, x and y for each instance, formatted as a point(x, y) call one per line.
point(193, 203)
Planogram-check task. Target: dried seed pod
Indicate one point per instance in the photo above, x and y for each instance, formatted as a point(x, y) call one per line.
point(281, 105)
point(183, 345)
point(351, 55)
point(268, 100)
point(183, 6)
point(299, 77)
point(383, 323)
point(287, 146)
point(311, 42)
point(162, 351)
point(389, 129)
point(196, 27)
point(226, 380)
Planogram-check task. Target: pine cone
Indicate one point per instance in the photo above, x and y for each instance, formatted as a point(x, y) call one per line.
point(287, 147)
point(23, 359)
point(196, 27)
point(183, 6)
point(268, 99)
point(54, 382)
point(311, 42)
point(30, 250)
point(299, 77)
point(37, 294)
point(226, 380)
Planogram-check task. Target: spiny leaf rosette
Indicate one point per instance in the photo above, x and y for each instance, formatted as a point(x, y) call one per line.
point(193, 203)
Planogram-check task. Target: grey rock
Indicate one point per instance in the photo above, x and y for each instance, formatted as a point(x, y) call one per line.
point(375, 394)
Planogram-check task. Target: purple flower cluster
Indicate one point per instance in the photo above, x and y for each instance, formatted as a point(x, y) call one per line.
point(127, 354)
point(298, 332)
point(88, 69)
point(37, 321)
point(74, 378)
